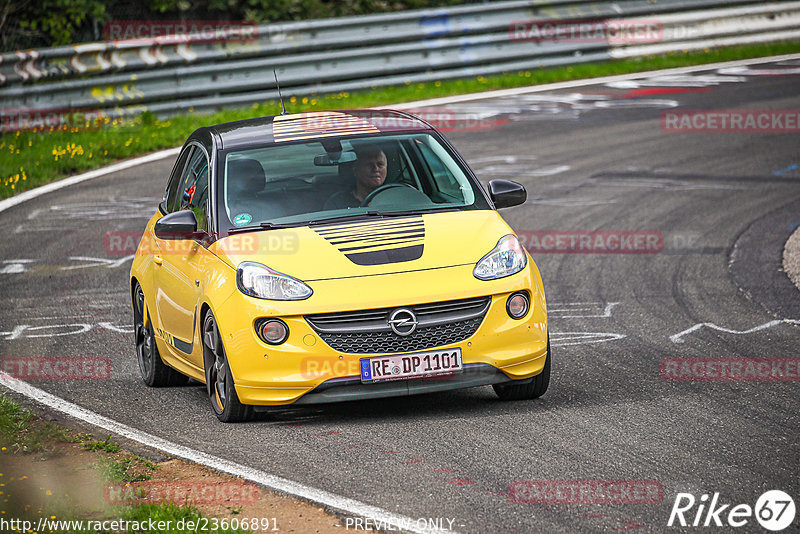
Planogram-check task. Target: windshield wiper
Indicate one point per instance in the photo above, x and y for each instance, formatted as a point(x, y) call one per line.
point(379, 214)
point(345, 218)
point(264, 226)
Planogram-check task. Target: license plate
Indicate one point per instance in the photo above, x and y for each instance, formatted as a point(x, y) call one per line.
point(414, 365)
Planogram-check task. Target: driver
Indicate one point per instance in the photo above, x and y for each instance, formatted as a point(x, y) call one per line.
point(370, 173)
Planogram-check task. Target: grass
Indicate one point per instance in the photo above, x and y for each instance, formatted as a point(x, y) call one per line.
point(22, 432)
point(175, 513)
point(124, 469)
point(32, 158)
point(107, 445)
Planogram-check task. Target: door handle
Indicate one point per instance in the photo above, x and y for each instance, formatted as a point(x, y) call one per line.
point(158, 259)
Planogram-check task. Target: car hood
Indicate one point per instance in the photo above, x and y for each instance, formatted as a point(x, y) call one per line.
point(369, 247)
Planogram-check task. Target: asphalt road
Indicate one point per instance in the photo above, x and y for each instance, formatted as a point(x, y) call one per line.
point(593, 158)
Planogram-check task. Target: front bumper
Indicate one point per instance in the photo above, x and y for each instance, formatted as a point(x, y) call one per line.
point(351, 388)
point(305, 369)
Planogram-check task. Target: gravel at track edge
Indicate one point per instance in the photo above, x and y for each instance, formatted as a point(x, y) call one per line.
point(791, 257)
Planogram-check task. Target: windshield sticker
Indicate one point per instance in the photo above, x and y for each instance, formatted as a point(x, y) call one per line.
point(242, 218)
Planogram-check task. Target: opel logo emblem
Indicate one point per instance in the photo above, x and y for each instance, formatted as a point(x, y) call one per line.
point(403, 322)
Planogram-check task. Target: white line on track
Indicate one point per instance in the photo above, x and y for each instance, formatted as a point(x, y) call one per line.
point(78, 178)
point(589, 81)
point(389, 520)
point(678, 338)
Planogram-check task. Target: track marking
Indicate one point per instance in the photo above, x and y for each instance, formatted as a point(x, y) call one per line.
point(281, 485)
point(678, 338)
point(591, 81)
point(96, 262)
point(563, 339)
point(586, 309)
point(15, 266)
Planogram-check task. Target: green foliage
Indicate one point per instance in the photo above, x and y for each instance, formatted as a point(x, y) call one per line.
point(21, 432)
point(48, 22)
point(43, 23)
point(107, 445)
point(172, 514)
point(123, 469)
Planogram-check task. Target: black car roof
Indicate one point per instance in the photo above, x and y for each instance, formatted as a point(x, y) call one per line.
point(313, 125)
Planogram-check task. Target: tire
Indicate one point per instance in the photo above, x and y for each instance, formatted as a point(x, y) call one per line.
point(529, 390)
point(219, 379)
point(155, 373)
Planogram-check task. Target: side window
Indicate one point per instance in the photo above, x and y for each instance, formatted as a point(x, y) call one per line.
point(194, 188)
point(442, 177)
point(171, 194)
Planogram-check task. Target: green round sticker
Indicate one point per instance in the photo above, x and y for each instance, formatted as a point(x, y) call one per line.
point(242, 218)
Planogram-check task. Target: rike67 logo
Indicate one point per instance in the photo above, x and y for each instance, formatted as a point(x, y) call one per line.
point(774, 510)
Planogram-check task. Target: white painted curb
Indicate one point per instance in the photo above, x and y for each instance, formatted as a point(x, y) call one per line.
point(78, 178)
point(389, 520)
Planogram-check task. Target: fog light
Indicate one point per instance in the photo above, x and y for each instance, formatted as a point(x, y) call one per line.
point(518, 304)
point(273, 331)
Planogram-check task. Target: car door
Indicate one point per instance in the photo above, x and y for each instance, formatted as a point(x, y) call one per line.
point(179, 264)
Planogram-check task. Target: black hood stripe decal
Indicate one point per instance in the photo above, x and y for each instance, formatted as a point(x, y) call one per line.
point(350, 230)
point(377, 242)
point(382, 237)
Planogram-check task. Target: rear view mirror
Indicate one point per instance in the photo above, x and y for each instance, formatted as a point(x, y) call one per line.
point(334, 158)
point(505, 193)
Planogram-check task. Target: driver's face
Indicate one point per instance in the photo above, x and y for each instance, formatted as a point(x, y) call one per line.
point(370, 170)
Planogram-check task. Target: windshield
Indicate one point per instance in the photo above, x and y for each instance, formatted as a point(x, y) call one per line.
point(331, 178)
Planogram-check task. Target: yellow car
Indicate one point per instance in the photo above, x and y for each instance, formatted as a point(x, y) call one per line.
point(334, 256)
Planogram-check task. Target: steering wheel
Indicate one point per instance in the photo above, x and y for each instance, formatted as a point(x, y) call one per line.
point(381, 189)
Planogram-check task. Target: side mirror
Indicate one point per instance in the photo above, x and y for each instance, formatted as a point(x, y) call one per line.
point(177, 225)
point(505, 193)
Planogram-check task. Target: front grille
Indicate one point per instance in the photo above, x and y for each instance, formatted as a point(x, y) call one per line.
point(368, 331)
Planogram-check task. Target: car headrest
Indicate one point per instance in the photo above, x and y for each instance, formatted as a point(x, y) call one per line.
point(246, 176)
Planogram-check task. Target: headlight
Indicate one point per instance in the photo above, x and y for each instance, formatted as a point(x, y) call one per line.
point(506, 258)
point(262, 282)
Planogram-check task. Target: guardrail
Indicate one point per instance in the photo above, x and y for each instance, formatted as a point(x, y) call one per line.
point(171, 75)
